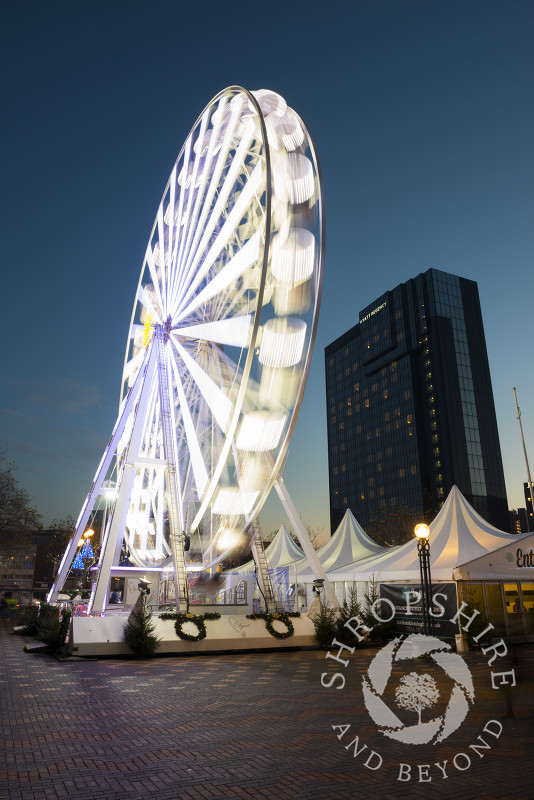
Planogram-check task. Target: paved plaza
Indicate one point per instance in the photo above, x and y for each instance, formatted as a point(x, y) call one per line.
point(246, 726)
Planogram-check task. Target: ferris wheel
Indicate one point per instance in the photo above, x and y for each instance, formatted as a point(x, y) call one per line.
point(221, 335)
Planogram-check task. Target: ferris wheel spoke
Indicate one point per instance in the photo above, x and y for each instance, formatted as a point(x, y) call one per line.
point(132, 367)
point(199, 468)
point(238, 264)
point(179, 251)
point(168, 217)
point(219, 404)
point(234, 331)
point(164, 257)
point(213, 185)
point(155, 281)
point(196, 273)
point(145, 299)
point(195, 192)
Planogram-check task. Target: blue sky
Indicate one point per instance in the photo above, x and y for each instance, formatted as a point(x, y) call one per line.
point(423, 119)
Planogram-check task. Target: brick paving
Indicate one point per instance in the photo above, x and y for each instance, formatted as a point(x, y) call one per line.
point(249, 726)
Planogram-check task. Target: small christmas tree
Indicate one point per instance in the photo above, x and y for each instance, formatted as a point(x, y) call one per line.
point(139, 632)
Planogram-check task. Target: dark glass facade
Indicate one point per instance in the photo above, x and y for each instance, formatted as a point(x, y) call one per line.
point(410, 406)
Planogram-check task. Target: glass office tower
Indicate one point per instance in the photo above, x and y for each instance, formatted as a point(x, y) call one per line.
point(410, 408)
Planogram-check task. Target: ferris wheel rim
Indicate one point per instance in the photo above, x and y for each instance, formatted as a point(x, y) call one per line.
point(266, 230)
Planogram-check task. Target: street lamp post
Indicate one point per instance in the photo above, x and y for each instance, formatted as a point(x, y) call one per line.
point(422, 533)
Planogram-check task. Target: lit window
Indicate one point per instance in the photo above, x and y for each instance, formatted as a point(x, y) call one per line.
point(407, 394)
point(402, 472)
point(374, 387)
point(385, 393)
point(379, 467)
point(387, 416)
point(356, 387)
point(367, 403)
point(377, 432)
point(409, 419)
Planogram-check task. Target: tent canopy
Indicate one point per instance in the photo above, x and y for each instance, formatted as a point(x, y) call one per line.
point(349, 543)
point(282, 551)
point(457, 535)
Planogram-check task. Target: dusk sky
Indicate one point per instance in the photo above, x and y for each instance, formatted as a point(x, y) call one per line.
point(423, 120)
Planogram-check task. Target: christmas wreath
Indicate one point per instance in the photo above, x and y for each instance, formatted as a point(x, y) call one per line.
point(196, 619)
point(281, 616)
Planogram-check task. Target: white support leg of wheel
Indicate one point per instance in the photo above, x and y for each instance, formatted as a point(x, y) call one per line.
point(96, 488)
point(304, 540)
point(97, 602)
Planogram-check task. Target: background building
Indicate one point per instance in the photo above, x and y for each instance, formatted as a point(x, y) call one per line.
point(410, 409)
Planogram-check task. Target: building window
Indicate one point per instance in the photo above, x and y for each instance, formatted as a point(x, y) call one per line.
point(367, 402)
point(409, 419)
point(402, 472)
point(407, 394)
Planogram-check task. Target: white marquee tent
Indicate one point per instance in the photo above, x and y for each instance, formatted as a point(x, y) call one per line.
point(457, 535)
point(348, 544)
point(282, 551)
